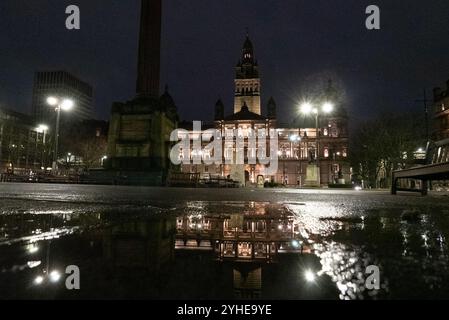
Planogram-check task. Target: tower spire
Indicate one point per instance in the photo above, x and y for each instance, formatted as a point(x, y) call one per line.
point(148, 69)
point(248, 51)
point(247, 81)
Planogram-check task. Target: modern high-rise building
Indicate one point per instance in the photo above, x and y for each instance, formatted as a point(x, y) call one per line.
point(64, 85)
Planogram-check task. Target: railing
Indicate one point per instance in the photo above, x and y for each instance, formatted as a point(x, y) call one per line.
point(435, 167)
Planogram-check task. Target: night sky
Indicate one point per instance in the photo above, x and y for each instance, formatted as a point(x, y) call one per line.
point(297, 42)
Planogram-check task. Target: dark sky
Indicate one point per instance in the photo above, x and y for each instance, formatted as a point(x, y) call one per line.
point(296, 42)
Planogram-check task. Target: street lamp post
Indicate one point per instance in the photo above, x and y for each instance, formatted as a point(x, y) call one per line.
point(308, 108)
point(59, 104)
point(42, 128)
point(296, 139)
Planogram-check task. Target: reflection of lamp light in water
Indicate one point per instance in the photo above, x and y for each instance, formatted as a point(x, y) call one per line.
point(33, 248)
point(309, 276)
point(39, 280)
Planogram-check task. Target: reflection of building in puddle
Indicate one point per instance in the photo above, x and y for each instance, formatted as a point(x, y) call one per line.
point(247, 240)
point(247, 281)
point(146, 243)
point(260, 233)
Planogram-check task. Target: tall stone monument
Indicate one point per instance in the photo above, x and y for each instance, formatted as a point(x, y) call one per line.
point(139, 132)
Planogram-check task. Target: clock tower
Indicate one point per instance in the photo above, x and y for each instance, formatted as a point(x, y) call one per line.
point(247, 80)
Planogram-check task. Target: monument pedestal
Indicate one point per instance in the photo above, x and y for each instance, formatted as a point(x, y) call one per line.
point(238, 174)
point(260, 182)
point(312, 176)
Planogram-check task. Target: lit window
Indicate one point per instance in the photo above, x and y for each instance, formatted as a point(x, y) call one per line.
point(326, 153)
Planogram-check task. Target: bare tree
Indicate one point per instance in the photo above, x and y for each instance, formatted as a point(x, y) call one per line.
point(385, 144)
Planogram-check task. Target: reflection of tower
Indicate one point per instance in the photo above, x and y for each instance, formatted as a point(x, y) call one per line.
point(247, 81)
point(148, 71)
point(247, 281)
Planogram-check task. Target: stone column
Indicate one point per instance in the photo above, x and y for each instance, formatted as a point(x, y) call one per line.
point(148, 71)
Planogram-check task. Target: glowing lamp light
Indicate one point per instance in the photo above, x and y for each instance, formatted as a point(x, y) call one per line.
point(42, 128)
point(55, 276)
point(294, 138)
point(67, 104)
point(52, 101)
point(306, 107)
point(39, 280)
point(309, 276)
point(295, 244)
point(328, 107)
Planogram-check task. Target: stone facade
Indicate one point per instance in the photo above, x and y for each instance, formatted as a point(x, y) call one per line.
point(441, 113)
point(297, 141)
point(139, 134)
point(247, 80)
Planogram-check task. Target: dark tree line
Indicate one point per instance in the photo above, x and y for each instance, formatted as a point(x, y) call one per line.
point(87, 141)
point(384, 144)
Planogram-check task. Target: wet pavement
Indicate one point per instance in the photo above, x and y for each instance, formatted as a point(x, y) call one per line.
point(159, 243)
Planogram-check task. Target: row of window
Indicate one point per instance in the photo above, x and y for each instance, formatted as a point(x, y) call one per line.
point(441, 155)
point(303, 153)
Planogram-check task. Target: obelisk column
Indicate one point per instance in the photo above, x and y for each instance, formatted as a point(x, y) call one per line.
point(148, 70)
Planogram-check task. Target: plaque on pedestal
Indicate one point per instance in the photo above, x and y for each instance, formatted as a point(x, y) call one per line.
point(312, 176)
point(260, 181)
point(238, 173)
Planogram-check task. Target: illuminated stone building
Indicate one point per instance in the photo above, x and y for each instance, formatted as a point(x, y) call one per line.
point(297, 140)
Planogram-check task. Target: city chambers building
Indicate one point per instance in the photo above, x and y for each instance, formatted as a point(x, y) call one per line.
point(305, 143)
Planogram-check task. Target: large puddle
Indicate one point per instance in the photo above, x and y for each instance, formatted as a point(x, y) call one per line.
point(225, 250)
